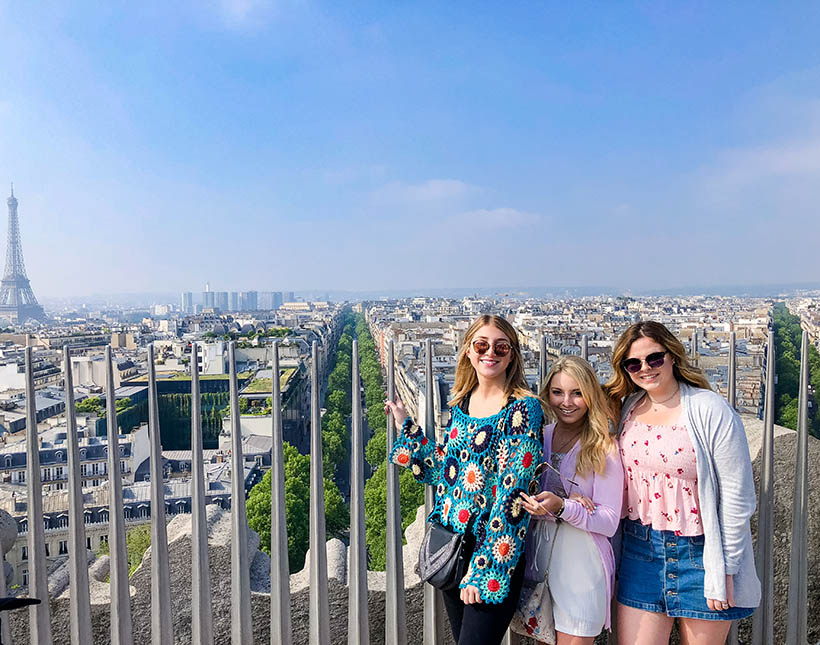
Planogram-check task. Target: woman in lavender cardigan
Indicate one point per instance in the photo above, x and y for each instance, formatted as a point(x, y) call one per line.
point(585, 499)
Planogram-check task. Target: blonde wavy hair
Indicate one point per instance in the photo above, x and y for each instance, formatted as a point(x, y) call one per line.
point(621, 385)
point(515, 384)
point(596, 439)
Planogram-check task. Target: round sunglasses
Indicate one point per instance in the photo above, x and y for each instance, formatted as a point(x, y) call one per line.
point(500, 347)
point(653, 360)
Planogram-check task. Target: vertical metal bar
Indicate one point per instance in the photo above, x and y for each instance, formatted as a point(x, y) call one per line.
point(319, 609)
point(241, 626)
point(732, 385)
point(433, 633)
point(797, 626)
point(280, 623)
point(161, 619)
point(358, 631)
point(694, 348)
point(121, 624)
point(202, 631)
point(542, 362)
point(731, 396)
point(39, 615)
point(5, 632)
point(80, 600)
point(763, 621)
point(395, 629)
point(585, 347)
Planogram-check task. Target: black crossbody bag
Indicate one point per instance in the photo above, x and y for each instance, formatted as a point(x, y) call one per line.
point(443, 557)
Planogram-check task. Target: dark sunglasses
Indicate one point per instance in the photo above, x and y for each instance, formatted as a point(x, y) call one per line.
point(653, 360)
point(500, 347)
point(535, 482)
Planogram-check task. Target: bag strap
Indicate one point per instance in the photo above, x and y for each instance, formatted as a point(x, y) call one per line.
point(552, 545)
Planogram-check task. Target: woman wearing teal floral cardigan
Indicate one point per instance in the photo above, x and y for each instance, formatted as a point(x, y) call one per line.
point(491, 449)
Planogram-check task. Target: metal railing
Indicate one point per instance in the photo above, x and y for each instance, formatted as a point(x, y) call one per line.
point(280, 617)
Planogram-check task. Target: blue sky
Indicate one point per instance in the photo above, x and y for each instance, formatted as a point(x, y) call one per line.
point(356, 145)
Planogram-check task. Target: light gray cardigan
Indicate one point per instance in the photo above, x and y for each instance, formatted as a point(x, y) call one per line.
point(726, 493)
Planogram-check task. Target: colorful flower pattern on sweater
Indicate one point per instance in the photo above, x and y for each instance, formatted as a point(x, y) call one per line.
point(479, 473)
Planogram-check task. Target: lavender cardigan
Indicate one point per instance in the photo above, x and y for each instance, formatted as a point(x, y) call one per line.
point(605, 490)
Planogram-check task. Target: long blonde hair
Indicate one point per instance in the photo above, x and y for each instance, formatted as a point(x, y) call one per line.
point(515, 384)
point(596, 440)
point(621, 385)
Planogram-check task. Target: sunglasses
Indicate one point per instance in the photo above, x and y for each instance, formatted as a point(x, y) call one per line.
point(500, 347)
point(653, 360)
point(535, 482)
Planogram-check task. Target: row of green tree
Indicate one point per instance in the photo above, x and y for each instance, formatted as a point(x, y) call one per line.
point(297, 467)
point(787, 342)
point(335, 421)
point(411, 493)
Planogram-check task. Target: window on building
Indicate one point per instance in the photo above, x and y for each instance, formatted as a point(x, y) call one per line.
point(88, 543)
point(25, 577)
point(83, 469)
point(63, 547)
point(21, 476)
point(59, 472)
point(24, 553)
point(48, 551)
point(8, 462)
point(62, 521)
point(104, 538)
point(95, 468)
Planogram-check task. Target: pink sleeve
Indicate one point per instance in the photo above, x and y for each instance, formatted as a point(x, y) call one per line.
point(607, 493)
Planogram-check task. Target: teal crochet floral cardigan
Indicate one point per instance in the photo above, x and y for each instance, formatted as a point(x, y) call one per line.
point(479, 473)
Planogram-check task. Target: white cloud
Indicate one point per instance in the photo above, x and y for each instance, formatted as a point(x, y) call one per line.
point(430, 192)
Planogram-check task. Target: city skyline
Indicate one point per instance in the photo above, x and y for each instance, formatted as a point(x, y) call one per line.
point(387, 148)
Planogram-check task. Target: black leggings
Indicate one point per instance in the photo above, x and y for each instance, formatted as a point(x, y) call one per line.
point(483, 623)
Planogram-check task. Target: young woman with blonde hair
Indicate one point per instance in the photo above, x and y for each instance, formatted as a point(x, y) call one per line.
point(584, 500)
point(490, 451)
point(687, 546)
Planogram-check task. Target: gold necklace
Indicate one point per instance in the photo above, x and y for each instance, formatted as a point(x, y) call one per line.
point(655, 403)
point(566, 444)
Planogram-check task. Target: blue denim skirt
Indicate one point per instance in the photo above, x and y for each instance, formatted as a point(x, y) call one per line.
point(663, 573)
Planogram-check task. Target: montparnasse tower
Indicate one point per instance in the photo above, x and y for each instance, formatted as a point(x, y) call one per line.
point(17, 301)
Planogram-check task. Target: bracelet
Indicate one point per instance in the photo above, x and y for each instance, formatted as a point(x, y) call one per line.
point(560, 510)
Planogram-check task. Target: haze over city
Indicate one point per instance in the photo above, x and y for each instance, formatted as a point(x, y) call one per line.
point(386, 147)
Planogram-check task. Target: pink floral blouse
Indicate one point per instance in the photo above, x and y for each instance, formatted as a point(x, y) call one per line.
point(661, 477)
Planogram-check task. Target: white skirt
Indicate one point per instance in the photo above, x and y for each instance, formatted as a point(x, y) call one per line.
point(577, 581)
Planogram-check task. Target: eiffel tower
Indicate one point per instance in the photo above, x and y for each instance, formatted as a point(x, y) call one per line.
point(17, 301)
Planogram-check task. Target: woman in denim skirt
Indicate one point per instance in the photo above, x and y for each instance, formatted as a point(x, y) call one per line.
point(689, 494)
